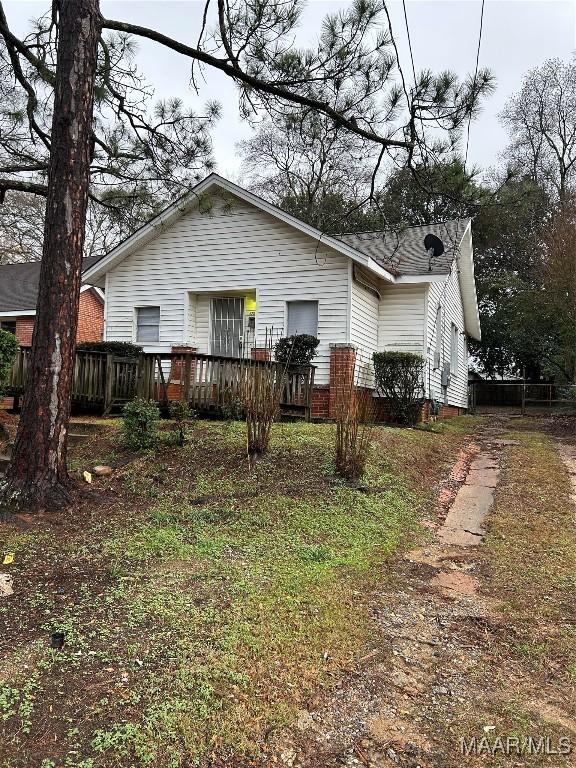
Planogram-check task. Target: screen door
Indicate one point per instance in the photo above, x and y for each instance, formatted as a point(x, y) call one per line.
point(227, 326)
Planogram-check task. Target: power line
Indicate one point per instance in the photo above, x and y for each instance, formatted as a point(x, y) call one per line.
point(474, 81)
point(409, 41)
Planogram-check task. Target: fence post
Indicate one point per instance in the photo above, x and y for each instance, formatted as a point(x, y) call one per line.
point(109, 389)
point(523, 408)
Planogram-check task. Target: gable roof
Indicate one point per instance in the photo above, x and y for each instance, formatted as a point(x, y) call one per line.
point(402, 251)
point(19, 286)
point(392, 256)
point(191, 199)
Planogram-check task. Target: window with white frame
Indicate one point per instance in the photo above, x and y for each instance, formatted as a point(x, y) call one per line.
point(454, 339)
point(148, 324)
point(302, 318)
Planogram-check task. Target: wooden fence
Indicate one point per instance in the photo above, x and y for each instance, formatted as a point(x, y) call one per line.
point(207, 382)
point(521, 397)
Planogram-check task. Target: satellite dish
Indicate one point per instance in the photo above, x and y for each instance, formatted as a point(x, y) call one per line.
point(434, 244)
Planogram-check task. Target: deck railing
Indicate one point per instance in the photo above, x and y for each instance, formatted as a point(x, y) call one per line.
point(206, 382)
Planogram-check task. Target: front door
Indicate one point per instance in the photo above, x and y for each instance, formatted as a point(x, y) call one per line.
point(227, 326)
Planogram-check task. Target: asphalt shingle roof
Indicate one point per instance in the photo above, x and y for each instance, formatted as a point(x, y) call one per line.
point(402, 251)
point(19, 285)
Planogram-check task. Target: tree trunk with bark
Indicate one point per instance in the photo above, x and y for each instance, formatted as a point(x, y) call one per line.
point(38, 476)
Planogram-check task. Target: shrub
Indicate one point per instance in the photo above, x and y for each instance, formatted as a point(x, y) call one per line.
point(354, 424)
point(399, 377)
point(120, 348)
point(181, 412)
point(262, 391)
point(8, 349)
point(296, 350)
point(139, 423)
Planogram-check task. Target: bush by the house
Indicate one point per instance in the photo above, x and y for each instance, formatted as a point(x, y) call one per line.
point(354, 424)
point(139, 423)
point(181, 413)
point(262, 391)
point(296, 350)
point(8, 350)
point(119, 348)
point(399, 378)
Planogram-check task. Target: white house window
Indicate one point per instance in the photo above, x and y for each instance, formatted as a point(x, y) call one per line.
point(454, 349)
point(8, 325)
point(148, 324)
point(302, 317)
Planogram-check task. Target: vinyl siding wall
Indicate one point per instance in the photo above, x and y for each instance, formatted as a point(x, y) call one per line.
point(233, 248)
point(446, 294)
point(364, 322)
point(401, 318)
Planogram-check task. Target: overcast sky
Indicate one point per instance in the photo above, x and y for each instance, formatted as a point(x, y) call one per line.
point(517, 35)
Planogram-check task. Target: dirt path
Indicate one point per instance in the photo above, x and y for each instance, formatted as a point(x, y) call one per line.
point(397, 706)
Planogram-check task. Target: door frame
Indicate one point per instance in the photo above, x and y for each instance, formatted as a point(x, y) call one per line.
point(211, 317)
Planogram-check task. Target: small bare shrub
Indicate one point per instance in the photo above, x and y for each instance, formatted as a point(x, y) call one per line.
point(354, 425)
point(262, 390)
point(182, 414)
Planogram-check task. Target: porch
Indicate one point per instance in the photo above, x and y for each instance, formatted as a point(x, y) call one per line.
point(208, 383)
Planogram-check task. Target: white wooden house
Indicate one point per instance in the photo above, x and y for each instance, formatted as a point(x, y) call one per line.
point(222, 270)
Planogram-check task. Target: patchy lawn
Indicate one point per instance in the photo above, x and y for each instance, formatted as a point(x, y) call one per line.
point(204, 603)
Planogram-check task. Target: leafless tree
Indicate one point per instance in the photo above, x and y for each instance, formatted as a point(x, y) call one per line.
point(541, 119)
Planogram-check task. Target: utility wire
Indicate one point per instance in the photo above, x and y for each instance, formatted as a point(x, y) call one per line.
point(474, 81)
point(409, 41)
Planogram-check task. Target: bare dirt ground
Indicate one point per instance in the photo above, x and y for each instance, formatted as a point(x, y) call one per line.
point(459, 672)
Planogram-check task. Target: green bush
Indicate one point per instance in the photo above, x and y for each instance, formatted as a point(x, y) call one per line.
point(296, 350)
point(139, 424)
point(8, 349)
point(399, 378)
point(120, 348)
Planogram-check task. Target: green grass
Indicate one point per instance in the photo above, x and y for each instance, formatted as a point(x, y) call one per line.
point(227, 597)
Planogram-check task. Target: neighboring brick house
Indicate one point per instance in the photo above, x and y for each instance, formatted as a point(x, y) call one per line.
point(18, 294)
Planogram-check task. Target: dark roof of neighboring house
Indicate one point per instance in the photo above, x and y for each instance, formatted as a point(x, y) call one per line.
point(19, 285)
point(402, 251)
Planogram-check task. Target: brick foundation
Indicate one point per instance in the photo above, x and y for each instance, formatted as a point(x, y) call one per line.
point(261, 353)
point(320, 406)
point(325, 397)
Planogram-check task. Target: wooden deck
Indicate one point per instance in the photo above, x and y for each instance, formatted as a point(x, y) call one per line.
point(208, 383)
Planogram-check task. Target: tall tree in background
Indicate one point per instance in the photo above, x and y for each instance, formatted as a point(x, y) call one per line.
point(507, 245)
point(541, 120)
point(347, 76)
point(555, 301)
point(143, 153)
point(431, 193)
point(311, 168)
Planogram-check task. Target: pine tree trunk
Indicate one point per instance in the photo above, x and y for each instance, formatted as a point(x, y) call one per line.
point(38, 476)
